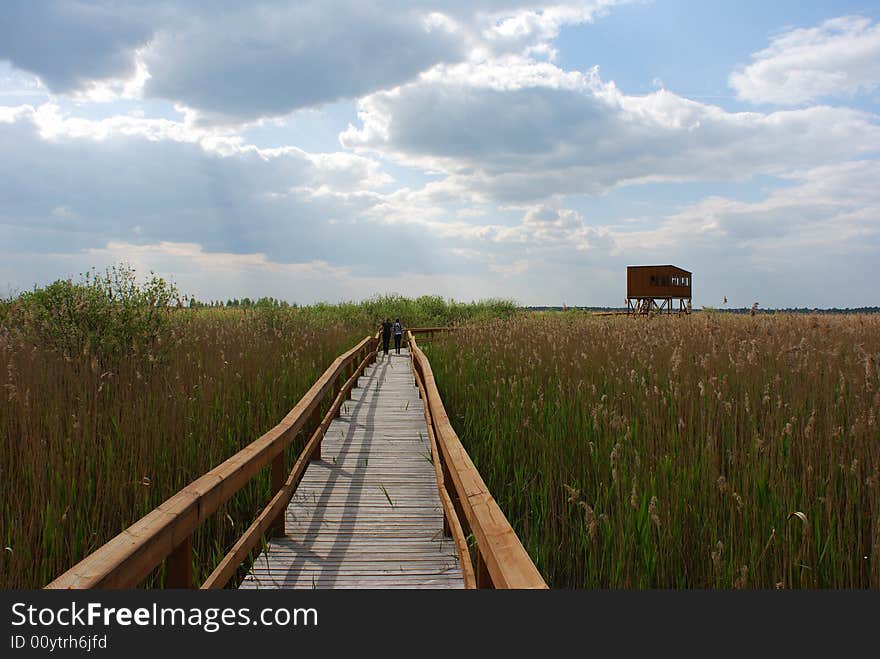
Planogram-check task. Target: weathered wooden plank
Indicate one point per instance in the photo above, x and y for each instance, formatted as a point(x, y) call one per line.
point(291, 568)
point(274, 514)
point(365, 561)
point(378, 578)
point(283, 580)
point(326, 547)
point(374, 558)
point(394, 518)
point(399, 583)
point(381, 561)
point(368, 513)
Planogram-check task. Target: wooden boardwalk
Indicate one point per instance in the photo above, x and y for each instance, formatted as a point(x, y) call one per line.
point(368, 513)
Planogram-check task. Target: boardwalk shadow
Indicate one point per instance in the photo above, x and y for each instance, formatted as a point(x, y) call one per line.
point(362, 414)
point(341, 531)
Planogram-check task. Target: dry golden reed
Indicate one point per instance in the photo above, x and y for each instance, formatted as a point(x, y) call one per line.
point(102, 418)
point(688, 442)
point(87, 449)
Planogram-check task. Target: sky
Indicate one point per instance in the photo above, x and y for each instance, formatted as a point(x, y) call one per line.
point(334, 150)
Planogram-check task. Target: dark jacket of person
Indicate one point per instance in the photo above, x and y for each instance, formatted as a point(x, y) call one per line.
point(386, 330)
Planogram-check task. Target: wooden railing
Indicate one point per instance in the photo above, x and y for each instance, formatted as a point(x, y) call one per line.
point(428, 332)
point(501, 560)
point(165, 534)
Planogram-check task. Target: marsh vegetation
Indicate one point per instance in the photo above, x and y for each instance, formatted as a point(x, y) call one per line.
point(714, 451)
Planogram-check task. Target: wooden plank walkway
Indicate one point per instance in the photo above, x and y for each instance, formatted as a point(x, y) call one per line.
point(367, 515)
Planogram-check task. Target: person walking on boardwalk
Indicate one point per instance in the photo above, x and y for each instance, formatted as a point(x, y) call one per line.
point(386, 335)
point(398, 335)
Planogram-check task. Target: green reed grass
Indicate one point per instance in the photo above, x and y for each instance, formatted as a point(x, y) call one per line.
point(86, 452)
point(111, 407)
point(705, 452)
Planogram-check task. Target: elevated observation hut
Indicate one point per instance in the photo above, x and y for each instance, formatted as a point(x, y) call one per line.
point(655, 288)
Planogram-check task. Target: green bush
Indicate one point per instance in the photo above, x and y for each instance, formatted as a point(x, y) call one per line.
point(102, 315)
point(427, 310)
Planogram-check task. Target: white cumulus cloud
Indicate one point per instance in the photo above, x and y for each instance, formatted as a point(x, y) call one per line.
point(520, 130)
point(233, 62)
point(839, 57)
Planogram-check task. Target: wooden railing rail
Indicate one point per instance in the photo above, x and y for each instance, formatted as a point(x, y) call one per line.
point(165, 534)
point(451, 524)
point(501, 560)
point(427, 332)
point(273, 514)
point(430, 330)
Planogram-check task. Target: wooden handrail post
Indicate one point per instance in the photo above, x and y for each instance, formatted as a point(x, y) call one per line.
point(453, 493)
point(315, 422)
point(337, 385)
point(178, 566)
point(484, 579)
point(279, 474)
point(349, 373)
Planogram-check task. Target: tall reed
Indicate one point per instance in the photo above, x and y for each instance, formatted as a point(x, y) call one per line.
point(86, 451)
point(702, 452)
point(109, 405)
